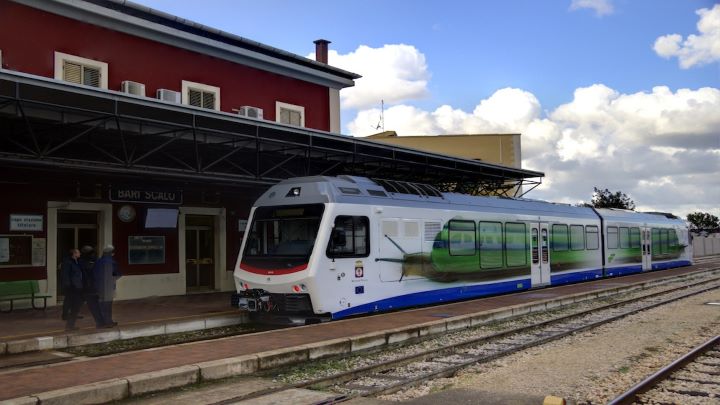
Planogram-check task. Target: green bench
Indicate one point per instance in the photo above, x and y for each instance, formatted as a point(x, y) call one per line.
point(21, 290)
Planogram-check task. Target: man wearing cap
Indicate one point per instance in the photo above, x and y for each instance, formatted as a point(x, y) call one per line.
point(105, 273)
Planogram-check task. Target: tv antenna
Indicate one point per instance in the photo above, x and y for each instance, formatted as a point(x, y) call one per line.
point(381, 124)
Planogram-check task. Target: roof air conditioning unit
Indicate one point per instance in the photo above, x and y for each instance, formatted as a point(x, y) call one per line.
point(250, 112)
point(168, 95)
point(135, 88)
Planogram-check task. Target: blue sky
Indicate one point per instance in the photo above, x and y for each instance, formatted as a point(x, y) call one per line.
point(476, 47)
point(618, 94)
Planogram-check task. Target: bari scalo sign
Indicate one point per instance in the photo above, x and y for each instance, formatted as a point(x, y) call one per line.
point(138, 195)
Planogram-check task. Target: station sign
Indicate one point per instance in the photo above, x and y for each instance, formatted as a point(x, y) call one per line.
point(27, 223)
point(146, 196)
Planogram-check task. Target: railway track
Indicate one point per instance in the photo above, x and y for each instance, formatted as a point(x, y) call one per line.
point(694, 378)
point(445, 360)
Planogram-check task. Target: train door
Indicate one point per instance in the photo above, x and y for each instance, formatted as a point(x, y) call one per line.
point(540, 256)
point(646, 243)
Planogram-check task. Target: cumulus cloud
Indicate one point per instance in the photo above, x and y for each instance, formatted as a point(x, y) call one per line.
point(661, 147)
point(601, 7)
point(695, 50)
point(394, 73)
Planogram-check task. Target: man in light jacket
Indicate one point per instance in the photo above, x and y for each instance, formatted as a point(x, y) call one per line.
point(105, 273)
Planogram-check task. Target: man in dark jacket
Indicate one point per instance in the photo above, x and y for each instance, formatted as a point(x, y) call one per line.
point(90, 295)
point(105, 273)
point(72, 283)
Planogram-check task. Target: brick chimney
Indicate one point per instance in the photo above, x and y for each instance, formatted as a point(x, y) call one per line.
point(321, 50)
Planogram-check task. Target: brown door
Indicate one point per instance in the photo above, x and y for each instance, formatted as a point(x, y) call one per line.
point(200, 252)
point(75, 229)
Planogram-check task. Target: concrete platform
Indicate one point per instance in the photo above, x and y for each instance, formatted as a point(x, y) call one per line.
point(29, 330)
point(256, 351)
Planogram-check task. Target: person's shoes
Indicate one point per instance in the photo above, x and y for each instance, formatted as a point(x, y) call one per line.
point(108, 325)
point(71, 329)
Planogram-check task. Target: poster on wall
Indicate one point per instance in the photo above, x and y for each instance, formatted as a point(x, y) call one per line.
point(38, 252)
point(4, 250)
point(146, 249)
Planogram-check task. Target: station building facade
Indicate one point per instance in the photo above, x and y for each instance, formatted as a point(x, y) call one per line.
point(123, 125)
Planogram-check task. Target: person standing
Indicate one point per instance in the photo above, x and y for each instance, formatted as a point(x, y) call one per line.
point(105, 272)
point(72, 283)
point(87, 263)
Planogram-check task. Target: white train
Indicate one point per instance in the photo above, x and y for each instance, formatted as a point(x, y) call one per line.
point(320, 248)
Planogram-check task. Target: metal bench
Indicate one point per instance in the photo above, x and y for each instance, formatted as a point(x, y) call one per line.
point(21, 290)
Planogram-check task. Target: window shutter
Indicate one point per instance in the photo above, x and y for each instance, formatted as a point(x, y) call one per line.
point(208, 100)
point(72, 72)
point(284, 116)
point(195, 98)
point(91, 76)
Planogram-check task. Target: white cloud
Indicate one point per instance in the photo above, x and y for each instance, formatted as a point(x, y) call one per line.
point(695, 49)
point(660, 147)
point(394, 73)
point(601, 7)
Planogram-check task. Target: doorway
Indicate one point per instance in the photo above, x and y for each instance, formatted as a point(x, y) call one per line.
point(200, 252)
point(75, 229)
point(540, 267)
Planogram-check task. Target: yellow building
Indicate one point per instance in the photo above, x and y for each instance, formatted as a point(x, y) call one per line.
point(501, 149)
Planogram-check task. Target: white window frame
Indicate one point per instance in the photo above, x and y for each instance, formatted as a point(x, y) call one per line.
point(298, 108)
point(62, 57)
point(187, 85)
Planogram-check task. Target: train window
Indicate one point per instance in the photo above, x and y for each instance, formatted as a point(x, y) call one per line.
point(411, 229)
point(491, 245)
point(516, 244)
point(577, 237)
point(535, 256)
point(673, 243)
point(592, 239)
point(612, 237)
point(655, 241)
point(461, 235)
point(663, 241)
point(634, 238)
point(624, 238)
point(357, 237)
point(559, 238)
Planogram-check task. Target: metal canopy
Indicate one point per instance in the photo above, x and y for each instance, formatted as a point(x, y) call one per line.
point(47, 123)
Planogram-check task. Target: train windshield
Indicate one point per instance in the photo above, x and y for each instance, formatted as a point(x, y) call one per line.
point(286, 231)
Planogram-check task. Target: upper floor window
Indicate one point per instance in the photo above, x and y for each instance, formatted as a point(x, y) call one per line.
point(200, 95)
point(78, 70)
point(290, 114)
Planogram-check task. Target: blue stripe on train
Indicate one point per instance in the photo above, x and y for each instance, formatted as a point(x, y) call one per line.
point(669, 265)
point(435, 296)
point(575, 277)
point(623, 270)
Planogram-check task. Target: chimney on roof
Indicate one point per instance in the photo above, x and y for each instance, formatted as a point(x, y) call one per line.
point(321, 50)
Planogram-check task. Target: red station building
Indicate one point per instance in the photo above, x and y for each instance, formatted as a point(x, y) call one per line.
point(122, 124)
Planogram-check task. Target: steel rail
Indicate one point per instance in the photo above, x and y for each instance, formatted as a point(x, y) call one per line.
point(344, 377)
point(631, 395)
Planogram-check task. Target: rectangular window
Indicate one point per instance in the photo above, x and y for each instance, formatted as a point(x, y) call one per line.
point(461, 238)
point(591, 237)
point(515, 244)
point(559, 238)
point(655, 240)
point(624, 238)
point(612, 237)
point(674, 242)
point(491, 245)
point(663, 241)
point(78, 70)
point(577, 237)
point(200, 95)
point(354, 236)
point(534, 241)
point(634, 238)
point(290, 114)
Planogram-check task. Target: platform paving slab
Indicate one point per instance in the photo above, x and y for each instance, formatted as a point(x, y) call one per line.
point(293, 396)
point(208, 394)
point(232, 367)
point(272, 343)
point(162, 380)
point(95, 393)
point(328, 348)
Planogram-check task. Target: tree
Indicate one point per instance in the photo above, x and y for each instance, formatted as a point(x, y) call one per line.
point(607, 199)
point(703, 221)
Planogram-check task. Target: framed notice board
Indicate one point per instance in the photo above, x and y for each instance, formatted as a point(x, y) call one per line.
point(16, 250)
